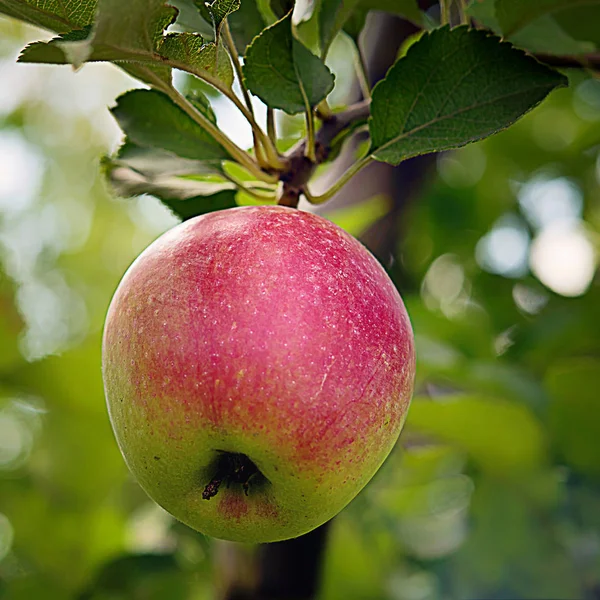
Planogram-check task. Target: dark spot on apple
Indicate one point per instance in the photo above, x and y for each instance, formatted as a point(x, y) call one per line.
point(232, 468)
point(157, 458)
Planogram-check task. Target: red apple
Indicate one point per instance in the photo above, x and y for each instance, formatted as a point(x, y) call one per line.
point(258, 365)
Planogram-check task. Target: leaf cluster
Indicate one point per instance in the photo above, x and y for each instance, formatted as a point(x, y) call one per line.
point(455, 85)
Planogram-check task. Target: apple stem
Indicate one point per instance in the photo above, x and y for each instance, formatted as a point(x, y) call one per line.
point(212, 488)
point(231, 467)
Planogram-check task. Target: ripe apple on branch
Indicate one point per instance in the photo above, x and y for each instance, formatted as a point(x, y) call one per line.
point(258, 361)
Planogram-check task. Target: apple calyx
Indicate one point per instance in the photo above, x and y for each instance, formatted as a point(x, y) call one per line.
point(231, 467)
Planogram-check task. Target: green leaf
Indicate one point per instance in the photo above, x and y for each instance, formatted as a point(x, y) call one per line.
point(281, 8)
point(332, 16)
point(191, 19)
point(350, 15)
point(150, 119)
point(56, 15)
point(357, 218)
point(172, 179)
point(134, 32)
point(245, 24)
point(200, 205)
point(130, 182)
point(502, 437)
point(219, 10)
point(283, 73)
point(581, 22)
point(574, 412)
point(125, 36)
point(142, 56)
point(207, 61)
point(155, 162)
point(515, 14)
point(453, 87)
point(52, 52)
point(186, 198)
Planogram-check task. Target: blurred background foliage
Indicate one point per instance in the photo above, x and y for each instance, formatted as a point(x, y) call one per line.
point(494, 489)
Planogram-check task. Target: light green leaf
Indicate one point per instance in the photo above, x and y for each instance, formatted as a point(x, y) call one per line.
point(143, 56)
point(219, 10)
point(56, 15)
point(155, 162)
point(208, 61)
point(122, 36)
point(186, 198)
point(134, 31)
point(515, 14)
point(283, 73)
point(502, 437)
point(151, 120)
point(187, 187)
point(128, 182)
point(359, 217)
point(453, 87)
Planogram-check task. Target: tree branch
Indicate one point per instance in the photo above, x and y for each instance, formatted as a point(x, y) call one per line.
point(300, 169)
point(581, 61)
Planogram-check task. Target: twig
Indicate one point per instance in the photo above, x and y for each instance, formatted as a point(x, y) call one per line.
point(250, 189)
point(241, 156)
point(462, 11)
point(444, 10)
point(340, 183)
point(362, 73)
point(300, 169)
point(260, 139)
point(271, 130)
point(577, 61)
point(310, 136)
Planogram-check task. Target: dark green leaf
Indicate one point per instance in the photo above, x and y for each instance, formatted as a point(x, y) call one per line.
point(281, 8)
point(55, 15)
point(515, 14)
point(574, 412)
point(350, 15)
point(207, 61)
point(543, 34)
point(245, 24)
point(199, 205)
point(150, 119)
point(454, 87)
point(191, 19)
point(581, 22)
point(283, 73)
point(332, 16)
point(355, 24)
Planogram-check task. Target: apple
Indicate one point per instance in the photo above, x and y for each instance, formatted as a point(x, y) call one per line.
point(258, 364)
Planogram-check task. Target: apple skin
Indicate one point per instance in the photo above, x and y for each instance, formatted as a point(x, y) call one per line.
point(263, 331)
